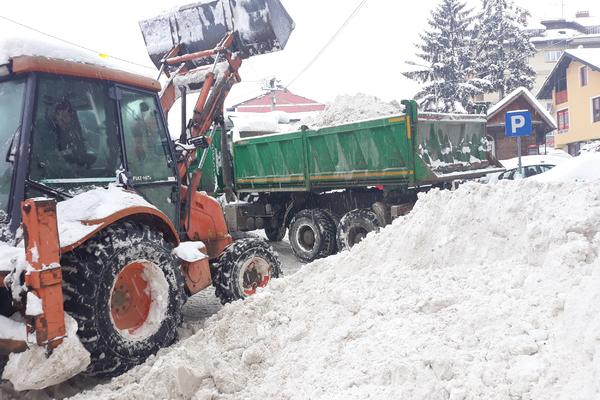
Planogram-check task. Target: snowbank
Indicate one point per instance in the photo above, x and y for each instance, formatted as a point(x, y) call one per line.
point(470, 296)
point(346, 108)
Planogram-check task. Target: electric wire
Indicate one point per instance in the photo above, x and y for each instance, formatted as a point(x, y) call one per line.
point(329, 42)
point(73, 43)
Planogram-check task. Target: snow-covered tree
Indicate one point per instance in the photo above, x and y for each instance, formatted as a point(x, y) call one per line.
point(503, 47)
point(449, 83)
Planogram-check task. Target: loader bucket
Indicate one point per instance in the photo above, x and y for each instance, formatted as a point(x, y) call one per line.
point(262, 26)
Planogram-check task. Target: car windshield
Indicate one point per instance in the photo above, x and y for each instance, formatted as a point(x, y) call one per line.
point(11, 107)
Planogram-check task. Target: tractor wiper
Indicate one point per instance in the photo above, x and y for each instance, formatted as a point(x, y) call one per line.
point(12, 149)
point(49, 190)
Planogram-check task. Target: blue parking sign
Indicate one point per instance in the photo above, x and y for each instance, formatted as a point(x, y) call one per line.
point(518, 123)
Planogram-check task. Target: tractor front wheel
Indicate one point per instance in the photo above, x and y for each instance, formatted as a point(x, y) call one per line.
point(243, 267)
point(125, 290)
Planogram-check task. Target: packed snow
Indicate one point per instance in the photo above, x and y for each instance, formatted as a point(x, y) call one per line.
point(95, 204)
point(472, 295)
point(190, 251)
point(33, 369)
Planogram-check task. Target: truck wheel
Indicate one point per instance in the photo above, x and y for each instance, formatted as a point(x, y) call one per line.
point(275, 234)
point(126, 291)
point(312, 235)
point(244, 266)
point(354, 226)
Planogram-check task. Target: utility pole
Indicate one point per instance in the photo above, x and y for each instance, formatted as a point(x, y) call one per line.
point(272, 85)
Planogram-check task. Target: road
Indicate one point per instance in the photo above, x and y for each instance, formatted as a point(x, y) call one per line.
point(198, 308)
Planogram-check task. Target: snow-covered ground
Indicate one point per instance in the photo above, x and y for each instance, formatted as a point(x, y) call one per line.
point(484, 292)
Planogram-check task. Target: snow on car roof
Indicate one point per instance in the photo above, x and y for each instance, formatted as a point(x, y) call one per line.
point(584, 168)
point(533, 160)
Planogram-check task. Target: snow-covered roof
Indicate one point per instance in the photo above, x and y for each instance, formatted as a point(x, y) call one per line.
point(530, 98)
point(586, 56)
point(591, 57)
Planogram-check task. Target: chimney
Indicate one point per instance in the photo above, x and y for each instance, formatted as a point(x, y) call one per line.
point(582, 14)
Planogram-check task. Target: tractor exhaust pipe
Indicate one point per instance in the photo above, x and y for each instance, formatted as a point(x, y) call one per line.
point(261, 26)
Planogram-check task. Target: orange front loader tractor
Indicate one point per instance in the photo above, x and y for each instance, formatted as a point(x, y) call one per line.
point(105, 206)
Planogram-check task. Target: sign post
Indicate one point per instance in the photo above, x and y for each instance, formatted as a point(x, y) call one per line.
point(518, 124)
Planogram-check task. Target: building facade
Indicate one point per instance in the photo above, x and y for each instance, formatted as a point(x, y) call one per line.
point(573, 87)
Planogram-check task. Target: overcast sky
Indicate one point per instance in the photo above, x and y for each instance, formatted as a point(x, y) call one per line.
point(367, 57)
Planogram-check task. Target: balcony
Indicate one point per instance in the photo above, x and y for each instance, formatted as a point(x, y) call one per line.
point(561, 97)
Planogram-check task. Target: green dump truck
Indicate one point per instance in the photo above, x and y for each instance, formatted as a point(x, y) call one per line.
point(331, 186)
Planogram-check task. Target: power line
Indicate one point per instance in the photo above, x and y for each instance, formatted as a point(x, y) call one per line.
point(329, 42)
point(72, 43)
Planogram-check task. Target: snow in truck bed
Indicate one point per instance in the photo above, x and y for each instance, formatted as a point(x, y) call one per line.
point(483, 292)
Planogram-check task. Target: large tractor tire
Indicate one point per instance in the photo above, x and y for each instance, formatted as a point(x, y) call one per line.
point(126, 291)
point(354, 227)
point(243, 267)
point(275, 234)
point(312, 235)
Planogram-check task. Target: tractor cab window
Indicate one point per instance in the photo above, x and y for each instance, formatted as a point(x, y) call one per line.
point(75, 137)
point(147, 150)
point(11, 106)
point(146, 142)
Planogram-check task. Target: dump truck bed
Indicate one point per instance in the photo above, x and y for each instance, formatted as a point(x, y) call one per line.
point(381, 151)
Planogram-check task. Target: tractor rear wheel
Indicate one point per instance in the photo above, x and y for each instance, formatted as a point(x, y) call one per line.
point(312, 234)
point(354, 227)
point(244, 266)
point(126, 291)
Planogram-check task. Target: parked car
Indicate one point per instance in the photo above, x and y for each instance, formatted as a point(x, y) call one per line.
point(532, 165)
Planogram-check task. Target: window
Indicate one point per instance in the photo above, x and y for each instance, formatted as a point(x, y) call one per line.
point(146, 142)
point(596, 109)
point(148, 152)
point(11, 105)
point(552, 55)
point(583, 76)
point(75, 137)
point(563, 120)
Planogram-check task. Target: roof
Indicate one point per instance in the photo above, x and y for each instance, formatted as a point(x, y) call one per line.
point(589, 57)
point(284, 101)
point(521, 91)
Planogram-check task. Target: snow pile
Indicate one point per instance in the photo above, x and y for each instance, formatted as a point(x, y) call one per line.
point(89, 206)
point(591, 147)
point(470, 296)
point(346, 108)
point(32, 369)
point(584, 168)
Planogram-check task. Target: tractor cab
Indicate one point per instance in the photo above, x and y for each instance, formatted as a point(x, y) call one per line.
point(69, 126)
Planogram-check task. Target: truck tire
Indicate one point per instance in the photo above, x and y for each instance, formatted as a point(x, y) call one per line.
point(244, 266)
point(126, 291)
point(312, 235)
point(275, 234)
point(354, 226)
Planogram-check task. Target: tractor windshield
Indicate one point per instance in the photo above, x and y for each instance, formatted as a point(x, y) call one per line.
point(11, 107)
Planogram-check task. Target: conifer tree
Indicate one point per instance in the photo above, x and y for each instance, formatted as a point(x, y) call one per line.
point(502, 47)
point(449, 83)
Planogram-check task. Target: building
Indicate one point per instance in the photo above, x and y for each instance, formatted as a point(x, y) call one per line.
point(574, 89)
point(506, 147)
point(279, 100)
point(551, 37)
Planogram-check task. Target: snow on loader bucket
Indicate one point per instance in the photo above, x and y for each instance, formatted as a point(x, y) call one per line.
point(261, 26)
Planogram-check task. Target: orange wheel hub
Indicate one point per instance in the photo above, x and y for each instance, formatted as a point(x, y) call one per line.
point(130, 300)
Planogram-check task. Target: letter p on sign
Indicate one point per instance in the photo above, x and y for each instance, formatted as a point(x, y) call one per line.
point(518, 123)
